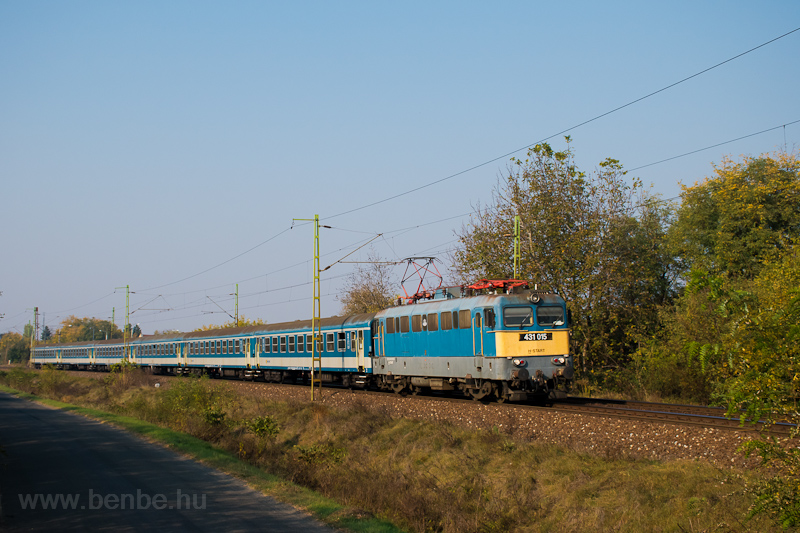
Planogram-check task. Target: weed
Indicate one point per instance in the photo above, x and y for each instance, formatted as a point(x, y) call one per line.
point(263, 426)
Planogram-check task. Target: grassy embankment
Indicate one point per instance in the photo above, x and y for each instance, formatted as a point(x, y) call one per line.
point(364, 468)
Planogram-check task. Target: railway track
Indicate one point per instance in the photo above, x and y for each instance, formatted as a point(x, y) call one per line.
point(688, 415)
point(698, 415)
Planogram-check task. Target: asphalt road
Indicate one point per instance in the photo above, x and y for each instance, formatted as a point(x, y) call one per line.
point(94, 477)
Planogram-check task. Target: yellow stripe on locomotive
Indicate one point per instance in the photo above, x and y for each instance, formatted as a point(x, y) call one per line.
point(532, 343)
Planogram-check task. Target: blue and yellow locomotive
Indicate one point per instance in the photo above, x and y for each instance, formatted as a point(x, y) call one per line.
point(493, 340)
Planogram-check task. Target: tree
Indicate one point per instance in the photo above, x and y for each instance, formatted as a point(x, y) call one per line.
point(731, 222)
point(242, 322)
point(368, 289)
point(729, 227)
point(137, 331)
point(14, 348)
point(591, 237)
point(46, 334)
point(74, 329)
point(737, 324)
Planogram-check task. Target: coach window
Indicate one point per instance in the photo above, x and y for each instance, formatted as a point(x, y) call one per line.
point(550, 316)
point(283, 344)
point(301, 341)
point(352, 336)
point(309, 343)
point(236, 346)
point(447, 321)
point(464, 320)
point(478, 319)
point(274, 344)
point(389, 326)
point(329, 342)
point(291, 343)
point(433, 322)
point(342, 346)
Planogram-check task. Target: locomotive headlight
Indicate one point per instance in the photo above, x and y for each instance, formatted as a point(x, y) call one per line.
point(520, 362)
point(559, 360)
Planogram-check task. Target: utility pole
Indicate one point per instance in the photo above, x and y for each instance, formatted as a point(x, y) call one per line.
point(237, 305)
point(34, 333)
point(126, 333)
point(516, 246)
point(316, 358)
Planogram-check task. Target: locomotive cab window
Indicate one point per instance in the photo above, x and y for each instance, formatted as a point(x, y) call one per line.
point(550, 316)
point(389, 326)
point(403, 324)
point(518, 317)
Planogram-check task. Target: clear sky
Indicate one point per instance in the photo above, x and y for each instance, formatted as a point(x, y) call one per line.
point(142, 143)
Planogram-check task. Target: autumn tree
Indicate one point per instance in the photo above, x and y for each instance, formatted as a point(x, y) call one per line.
point(729, 223)
point(736, 326)
point(729, 226)
point(74, 329)
point(14, 348)
point(233, 323)
point(596, 238)
point(368, 289)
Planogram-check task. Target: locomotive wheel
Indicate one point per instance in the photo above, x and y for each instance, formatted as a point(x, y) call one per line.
point(501, 392)
point(482, 392)
point(398, 386)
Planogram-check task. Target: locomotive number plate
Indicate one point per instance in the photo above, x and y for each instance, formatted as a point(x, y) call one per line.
point(536, 336)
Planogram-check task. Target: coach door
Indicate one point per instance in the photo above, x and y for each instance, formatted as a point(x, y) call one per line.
point(248, 351)
point(360, 361)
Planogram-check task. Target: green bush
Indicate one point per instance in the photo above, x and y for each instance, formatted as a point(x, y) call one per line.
point(263, 426)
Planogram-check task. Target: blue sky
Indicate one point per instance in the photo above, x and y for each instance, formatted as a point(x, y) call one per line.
point(142, 143)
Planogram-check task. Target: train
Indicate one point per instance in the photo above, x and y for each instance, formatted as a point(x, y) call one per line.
point(494, 340)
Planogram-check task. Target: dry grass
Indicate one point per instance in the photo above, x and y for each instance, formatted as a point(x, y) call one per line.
point(424, 476)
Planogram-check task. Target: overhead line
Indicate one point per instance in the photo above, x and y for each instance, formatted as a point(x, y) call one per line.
point(562, 131)
point(715, 145)
point(220, 264)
